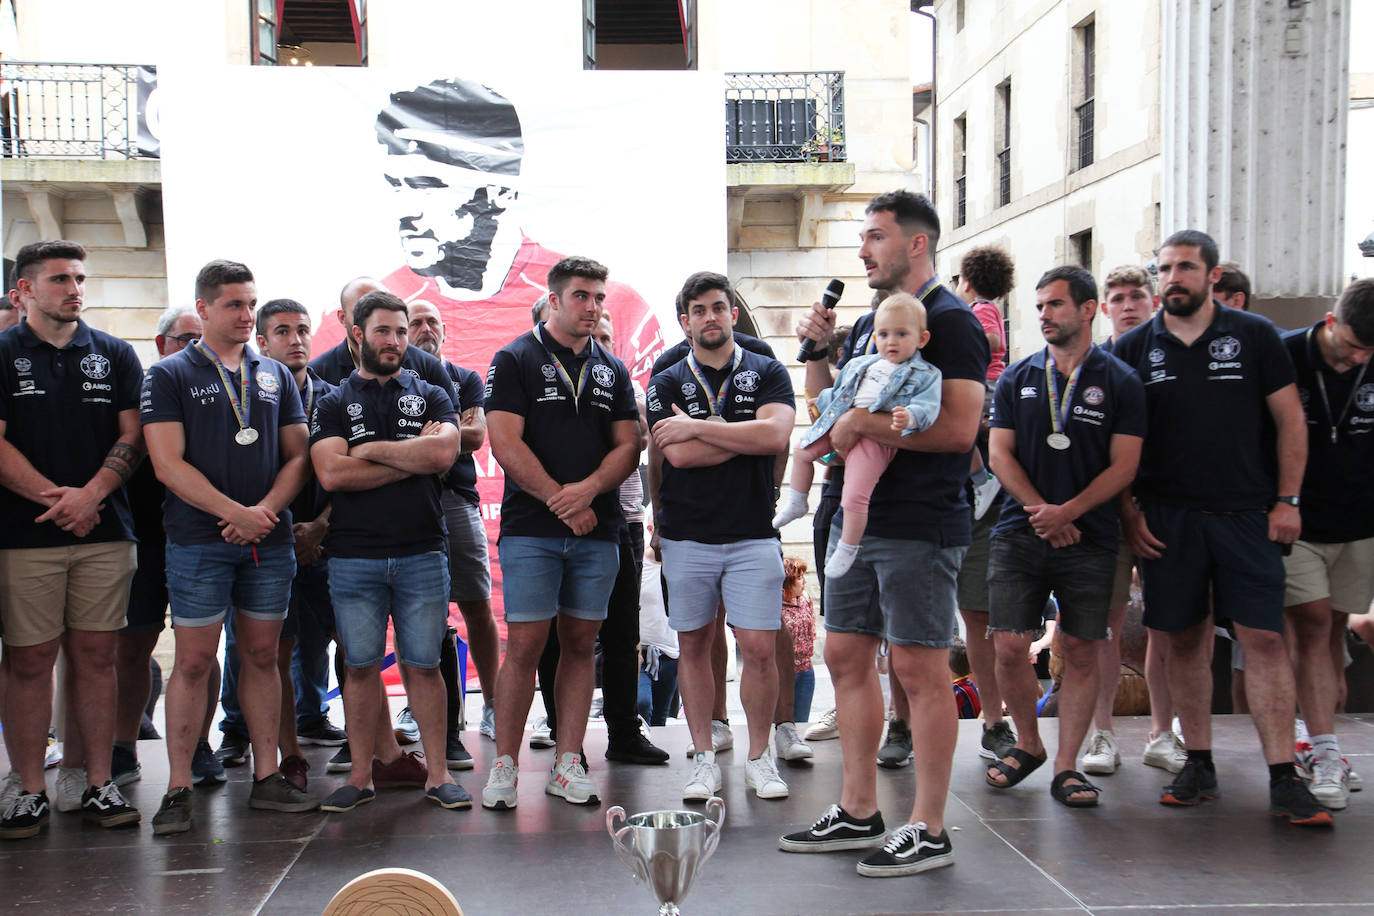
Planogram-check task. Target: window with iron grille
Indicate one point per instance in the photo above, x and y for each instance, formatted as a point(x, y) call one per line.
point(265, 26)
point(960, 170)
point(1085, 78)
point(1002, 142)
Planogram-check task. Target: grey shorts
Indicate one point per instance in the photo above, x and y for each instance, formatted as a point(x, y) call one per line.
point(746, 575)
point(898, 590)
point(469, 562)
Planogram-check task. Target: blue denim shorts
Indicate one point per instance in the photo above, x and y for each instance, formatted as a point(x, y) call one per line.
point(543, 577)
point(205, 580)
point(898, 590)
point(746, 575)
point(410, 591)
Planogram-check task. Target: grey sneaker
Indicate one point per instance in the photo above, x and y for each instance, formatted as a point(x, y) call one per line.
point(174, 815)
point(1103, 756)
point(499, 792)
point(897, 750)
point(487, 728)
point(998, 740)
point(788, 743)
point(276, 793)
point(71, 785)
point(407, 729)
point(10, 789)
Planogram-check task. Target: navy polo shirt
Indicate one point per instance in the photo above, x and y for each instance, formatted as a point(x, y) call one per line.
point(1211, 441)
point(185, 388)
point(401, 518)
point(678, 351)
point(733, 500)
point(921, 496)
point(61, 411)
point(313, 498)
point(1108, 400)
point(570, 443)
point(337, 364)
point(1338, 486)
point(462, 477)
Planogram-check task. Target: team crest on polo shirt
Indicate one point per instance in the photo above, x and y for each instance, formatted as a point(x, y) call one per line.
point(355, 410)
point(689, 389)
point(1224, 348)
point(22, 366)
point(603, 375)
point(861, 343)
point(1364, 398)
point(411, 371)
point(549, 371)
point(95, 366)
point(412, 405)
point(1156, 357)
point(1092, 395)
point(748, 380)
point(267, 381)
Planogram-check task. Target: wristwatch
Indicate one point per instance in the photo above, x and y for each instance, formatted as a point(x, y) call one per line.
point(1291, 500)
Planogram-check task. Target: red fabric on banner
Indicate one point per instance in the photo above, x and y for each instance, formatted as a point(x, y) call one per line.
point(477, 329)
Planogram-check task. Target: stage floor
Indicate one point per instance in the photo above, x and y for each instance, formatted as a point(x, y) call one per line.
point(1017, 851)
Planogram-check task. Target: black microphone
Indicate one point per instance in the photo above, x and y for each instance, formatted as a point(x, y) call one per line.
point(829, 298)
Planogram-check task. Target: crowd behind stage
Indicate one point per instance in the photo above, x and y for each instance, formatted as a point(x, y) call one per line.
point(289, 500)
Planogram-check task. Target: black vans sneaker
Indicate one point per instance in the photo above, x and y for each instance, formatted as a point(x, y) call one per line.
point(27, 815)
point(836, 829)
point(106, 806)
point(910, 850)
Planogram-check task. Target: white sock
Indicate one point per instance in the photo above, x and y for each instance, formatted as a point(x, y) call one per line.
point(1322, 743)
point(841, 559)
point(793, 507)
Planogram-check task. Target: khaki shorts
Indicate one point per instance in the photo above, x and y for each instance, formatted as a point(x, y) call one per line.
point(1125, 564)
point(45, 591)
point(1342, 572)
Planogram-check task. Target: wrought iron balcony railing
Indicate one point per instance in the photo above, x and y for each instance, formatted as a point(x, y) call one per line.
point(785, 117)
point(85, 111)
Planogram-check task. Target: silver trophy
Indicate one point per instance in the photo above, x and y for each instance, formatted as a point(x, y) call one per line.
point(666, 849)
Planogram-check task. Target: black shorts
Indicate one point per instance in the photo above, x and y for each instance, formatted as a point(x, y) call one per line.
point(973, 575)
point(1023, 569)
point(148, 595)
point(1212, 561)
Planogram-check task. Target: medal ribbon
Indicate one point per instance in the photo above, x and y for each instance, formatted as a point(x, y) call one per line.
point(921, 294)
point(563, 373)
point(1059, 409)
point(1321, 387)
point(242, 406)
point(716, 403)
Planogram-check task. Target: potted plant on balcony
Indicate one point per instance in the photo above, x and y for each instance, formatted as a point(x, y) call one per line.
point(818, 147)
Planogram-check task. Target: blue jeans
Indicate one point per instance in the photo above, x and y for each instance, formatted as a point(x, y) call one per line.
point(805, 689)
point(412, 591)
point(656, 696)
point(311, 604)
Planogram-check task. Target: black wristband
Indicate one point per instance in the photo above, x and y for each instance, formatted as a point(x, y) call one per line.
point(818, 353)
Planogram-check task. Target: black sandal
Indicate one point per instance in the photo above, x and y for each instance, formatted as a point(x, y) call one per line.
point(1064, 793)
point(1026, 765)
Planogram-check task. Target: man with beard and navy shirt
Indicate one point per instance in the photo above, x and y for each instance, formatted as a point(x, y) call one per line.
point(719, 417)
point(226, 434)
point(379, 442)
point(1330, 573)
point(335, 365)
point(1066, 429)
point(1220, 391)
point(564, 425)
point(69, 442)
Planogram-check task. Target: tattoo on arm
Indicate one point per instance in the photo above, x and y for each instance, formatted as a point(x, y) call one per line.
point(123, 458)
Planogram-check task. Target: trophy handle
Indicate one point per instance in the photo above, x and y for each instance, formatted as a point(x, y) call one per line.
point(713, 805)
point(617, 837)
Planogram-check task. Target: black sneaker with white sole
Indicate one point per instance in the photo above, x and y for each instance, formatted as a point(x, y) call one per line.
point(910, 850)
point(26, 816)
point(836, 829)
point(106, 806)
point(341, 762)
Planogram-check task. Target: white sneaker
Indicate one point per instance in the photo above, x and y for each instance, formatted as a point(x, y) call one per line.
point(722, 739)
point(1352, 779)
point(568, 780)
point(499, 792)
point(71, 785)
point(762, 776)
point(825, 728)
point(705, 780)
point(541, 736)
point(1103, 756)
point(487, 728)
point(10, 789)
point(984, 494)
point(789, 744)
point(1165, 751)
point(1331, 781)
